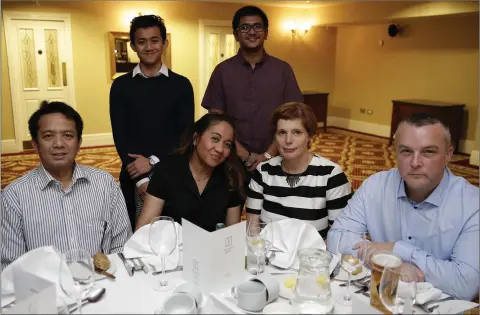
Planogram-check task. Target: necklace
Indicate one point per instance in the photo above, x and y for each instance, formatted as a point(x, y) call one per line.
point(293, 179)
point(195, 178)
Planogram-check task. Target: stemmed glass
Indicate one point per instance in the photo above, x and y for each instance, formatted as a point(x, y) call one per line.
point(162, 237)
point(259, 239)
point(362, 253)
point(76, 274)
point(348, 262)
point(396, 294)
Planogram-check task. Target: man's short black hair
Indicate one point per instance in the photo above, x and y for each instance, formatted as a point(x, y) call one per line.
point(53, 108)
point(144, 21)
point(424, 119)
point(249, 10)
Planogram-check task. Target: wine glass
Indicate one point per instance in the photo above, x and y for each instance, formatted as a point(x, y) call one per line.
point(348, 262)
point(362, 253)
point(76, 274)
point(259, 239)
point(162, 238)
point(397, 295)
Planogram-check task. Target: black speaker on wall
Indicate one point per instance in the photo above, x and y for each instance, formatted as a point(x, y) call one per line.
point(393, 30)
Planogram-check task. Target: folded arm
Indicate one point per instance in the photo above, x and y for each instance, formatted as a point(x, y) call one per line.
point(121, 229)
point(459, 276)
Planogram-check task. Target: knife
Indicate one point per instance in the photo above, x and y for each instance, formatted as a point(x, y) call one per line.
point(127, 265)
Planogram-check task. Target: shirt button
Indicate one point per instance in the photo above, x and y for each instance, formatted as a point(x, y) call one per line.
point(415, 207)
point(409, 237)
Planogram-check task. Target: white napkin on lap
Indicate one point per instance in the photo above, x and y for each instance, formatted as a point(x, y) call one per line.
point(43, 262)
point(138, 246)
point(289, 236)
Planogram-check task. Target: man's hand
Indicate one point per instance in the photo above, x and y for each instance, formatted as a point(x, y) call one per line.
point(142, 189)
point(372, 248)
point(138, 167)
point(411, 273)
point(255, 159)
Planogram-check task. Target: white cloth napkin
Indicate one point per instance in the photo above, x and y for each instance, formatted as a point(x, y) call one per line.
point(289, 236)
point(43, 262)
point(138, 246)
point(426, 292)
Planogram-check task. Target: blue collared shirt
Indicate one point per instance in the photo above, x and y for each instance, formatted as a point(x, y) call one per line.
point(439, 235)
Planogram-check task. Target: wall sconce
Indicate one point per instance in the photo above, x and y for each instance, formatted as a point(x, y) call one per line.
point(298, 28)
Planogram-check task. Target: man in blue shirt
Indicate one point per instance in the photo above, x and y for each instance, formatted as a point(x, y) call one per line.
point(420, 211)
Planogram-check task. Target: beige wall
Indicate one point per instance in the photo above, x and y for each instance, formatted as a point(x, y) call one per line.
point(92, 20)
point(436, 58)
point(7, 115)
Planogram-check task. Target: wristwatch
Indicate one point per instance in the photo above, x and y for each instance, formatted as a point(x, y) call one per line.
point(151, 161)
point(267, 155)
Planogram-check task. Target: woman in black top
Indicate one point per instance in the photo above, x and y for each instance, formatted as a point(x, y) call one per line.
point(202, 182)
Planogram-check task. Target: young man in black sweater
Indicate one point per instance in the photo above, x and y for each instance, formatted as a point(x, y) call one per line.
point(150, 107)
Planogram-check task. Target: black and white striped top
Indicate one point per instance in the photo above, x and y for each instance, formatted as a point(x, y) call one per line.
point(90, 214)
point(322, 192)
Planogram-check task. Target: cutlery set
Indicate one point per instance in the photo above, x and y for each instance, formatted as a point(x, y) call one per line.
point(133, 264)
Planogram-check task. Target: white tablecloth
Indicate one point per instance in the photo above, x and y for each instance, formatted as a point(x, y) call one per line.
point(136, 294)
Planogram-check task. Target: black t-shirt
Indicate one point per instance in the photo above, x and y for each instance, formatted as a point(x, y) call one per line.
point(173, 182)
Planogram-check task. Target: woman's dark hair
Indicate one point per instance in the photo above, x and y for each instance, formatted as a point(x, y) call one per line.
point(54, 108)
point(144, 21)
point(234, 170)
point(249, 10)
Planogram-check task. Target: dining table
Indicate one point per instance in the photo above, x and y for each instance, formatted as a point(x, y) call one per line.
point(137, 295)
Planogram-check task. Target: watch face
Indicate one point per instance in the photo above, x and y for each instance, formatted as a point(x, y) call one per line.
point(151, 161)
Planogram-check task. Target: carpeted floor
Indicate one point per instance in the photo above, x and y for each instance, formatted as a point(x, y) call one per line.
point(359, 155)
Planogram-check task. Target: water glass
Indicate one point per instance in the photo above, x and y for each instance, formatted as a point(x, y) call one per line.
point(396, 294)
point(259, 239)
point(162, 238)
point(76, 274)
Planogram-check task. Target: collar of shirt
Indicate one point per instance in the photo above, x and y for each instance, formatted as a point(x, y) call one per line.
point(163, 70)
point(435, 198)
point(46, 178)
point(244, 61)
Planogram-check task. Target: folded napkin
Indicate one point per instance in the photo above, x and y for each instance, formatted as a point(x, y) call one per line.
point(138, 246)
point(426, 292)
point(42, 262)
point(289, 236)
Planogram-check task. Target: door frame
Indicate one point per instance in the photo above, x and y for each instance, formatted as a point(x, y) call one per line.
point(20, 122)
point(201, 62)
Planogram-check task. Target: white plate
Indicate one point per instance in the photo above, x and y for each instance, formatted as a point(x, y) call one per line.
point(343, 275)
point(112, 270)
point(285, 292)
point(455, 306)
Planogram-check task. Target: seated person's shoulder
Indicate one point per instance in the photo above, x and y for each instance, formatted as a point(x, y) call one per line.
point(171, 163)
point(96, 175)
point(268, 164)
point(23, 183)
point(469, 193)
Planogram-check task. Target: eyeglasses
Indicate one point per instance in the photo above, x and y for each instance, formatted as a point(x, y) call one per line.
point(245, 28)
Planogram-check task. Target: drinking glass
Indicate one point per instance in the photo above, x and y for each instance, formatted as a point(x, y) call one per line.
point(396, 294)
point(162, 238)
point(259, 239)
point(348, 262)
point(76, 274)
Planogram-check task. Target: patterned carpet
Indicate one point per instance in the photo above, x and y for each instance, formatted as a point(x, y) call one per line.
point(359, 155)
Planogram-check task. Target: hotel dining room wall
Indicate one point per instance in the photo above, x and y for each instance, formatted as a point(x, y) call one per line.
point(338, 55)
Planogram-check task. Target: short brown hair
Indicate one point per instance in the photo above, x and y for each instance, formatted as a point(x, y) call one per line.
point(295, 110)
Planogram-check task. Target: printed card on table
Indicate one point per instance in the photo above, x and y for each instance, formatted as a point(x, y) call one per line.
point(215, 261)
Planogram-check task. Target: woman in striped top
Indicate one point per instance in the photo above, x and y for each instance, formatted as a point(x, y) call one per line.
point(297, 183)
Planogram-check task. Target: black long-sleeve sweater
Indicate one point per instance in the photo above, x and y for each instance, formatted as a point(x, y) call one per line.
point(148, 115)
